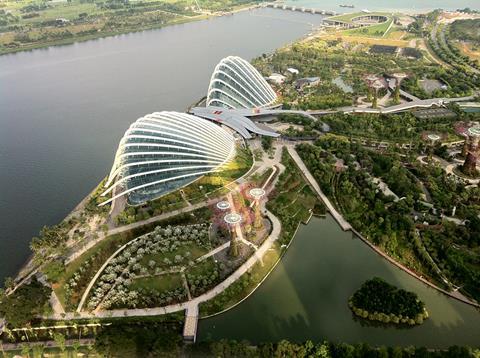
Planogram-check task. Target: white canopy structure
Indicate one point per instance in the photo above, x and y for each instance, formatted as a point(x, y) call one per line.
point(235, 83)
point(164, 151)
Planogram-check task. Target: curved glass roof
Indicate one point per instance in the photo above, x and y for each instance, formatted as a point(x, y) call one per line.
point(164, 151)
point(235, 83)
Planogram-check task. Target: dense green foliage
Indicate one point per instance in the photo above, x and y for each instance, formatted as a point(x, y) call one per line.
point(379, 300)
point(292, 200)
point(410, 230)
point(137, 341)
point(397, 128)
point(447, 192)
point(161, 337)
point(22, 306)
point(370, 211)
point(444, 47)
point(331, 60)
point(266, 143)
point(457, 250)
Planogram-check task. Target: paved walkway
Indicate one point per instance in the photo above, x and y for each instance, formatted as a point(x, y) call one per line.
point(185, 285)
point(118, 230)
point(247, 265)
point(213, 252)
point(336, 215)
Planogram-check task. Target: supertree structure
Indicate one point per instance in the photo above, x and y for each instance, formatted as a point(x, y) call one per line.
point(469, 167)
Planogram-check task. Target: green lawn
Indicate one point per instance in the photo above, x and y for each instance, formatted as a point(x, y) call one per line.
point(371, 31)
point(214, 183)
point(162, 283)
point(348, 17)
point(205, 267)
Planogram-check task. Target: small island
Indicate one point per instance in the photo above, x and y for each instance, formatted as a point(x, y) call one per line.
point(378, 300)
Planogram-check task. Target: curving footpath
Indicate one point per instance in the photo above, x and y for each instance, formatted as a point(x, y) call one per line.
point(247, 265)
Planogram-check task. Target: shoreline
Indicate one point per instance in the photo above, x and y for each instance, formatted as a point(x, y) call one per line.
point(26, 265)
point(412, 273)
point(184, 20)
point(345, 226)
point(91, 37)
point(266, 275)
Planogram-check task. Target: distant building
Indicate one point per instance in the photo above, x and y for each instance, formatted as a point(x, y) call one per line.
point(61, 21)
point(276, 78)
point(383, 49)
point(411, 52)
point(293, 71)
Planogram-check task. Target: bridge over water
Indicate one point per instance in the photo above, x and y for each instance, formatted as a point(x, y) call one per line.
point(300, 9)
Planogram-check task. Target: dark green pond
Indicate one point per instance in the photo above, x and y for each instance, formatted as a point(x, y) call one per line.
point(305, 297)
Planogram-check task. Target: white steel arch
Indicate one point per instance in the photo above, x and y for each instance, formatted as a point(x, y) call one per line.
point(240, 85)
point(166, 148)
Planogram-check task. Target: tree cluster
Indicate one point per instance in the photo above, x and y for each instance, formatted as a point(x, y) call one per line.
point(380, 301)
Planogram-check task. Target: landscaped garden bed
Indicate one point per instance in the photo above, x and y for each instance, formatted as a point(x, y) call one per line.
point(148, 256)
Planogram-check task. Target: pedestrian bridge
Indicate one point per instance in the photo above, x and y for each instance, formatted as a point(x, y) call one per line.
point(191, 323)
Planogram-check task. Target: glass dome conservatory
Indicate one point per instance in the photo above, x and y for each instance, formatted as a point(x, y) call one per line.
point(235, 83)
point(164, 151)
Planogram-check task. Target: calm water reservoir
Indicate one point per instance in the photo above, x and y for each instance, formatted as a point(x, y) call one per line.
point(64, 109)
point(305, 297)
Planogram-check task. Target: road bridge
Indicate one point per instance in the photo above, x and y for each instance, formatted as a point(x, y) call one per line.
point(300, 9)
